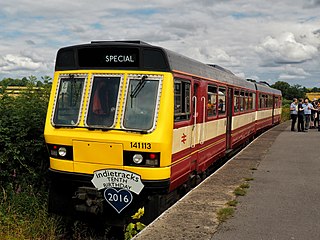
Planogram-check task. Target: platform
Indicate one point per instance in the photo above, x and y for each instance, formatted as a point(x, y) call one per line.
point(283, 201)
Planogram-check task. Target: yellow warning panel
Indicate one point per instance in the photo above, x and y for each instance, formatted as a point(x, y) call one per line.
point(98, 153)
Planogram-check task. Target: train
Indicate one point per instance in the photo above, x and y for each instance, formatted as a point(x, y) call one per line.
point(132, 125)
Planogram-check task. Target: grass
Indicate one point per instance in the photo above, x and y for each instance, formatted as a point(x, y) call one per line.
point(248, 179)
point(23, 215)
point(232, 203)
point(240, 191)
point(244, 185)
point(224, 213)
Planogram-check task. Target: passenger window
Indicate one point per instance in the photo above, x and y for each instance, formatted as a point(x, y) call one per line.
point(246, 101)
point(242, 101)
point(221, 101)
point(250, 102)
point(212, 101)
point(181, 100)
point(236, 101)
point(261, 101)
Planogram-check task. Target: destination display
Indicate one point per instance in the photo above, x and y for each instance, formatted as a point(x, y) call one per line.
point(104, 56)
point(108, 57)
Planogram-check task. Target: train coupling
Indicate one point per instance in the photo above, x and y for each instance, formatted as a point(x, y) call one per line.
point(88, 199)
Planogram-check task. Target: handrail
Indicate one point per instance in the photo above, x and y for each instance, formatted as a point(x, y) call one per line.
point(203, 120)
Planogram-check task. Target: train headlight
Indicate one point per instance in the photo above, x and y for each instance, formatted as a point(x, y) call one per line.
point(62, 151)
point(137, 158)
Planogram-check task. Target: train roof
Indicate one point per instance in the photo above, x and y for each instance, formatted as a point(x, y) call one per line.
point(265, 87)
point(142, 56)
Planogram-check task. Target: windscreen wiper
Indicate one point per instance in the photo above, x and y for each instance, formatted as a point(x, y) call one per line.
point(140, 85)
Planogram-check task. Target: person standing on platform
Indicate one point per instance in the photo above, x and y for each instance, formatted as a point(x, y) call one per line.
point(294, 113)
point(300, 116)
point(318, 108)
point(307, 113)
point(316, 113)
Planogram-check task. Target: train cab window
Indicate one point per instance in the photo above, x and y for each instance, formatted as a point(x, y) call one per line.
point(181, 100)
point(222, 101)
point(69, 101)
point(242, 101)
point(236, 101)
point(103, 101)
point(141, 103)
point(212, 101)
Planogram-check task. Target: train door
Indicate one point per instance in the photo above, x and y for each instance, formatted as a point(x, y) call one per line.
point(196, 102)
point(229, 118)
point(197, 126)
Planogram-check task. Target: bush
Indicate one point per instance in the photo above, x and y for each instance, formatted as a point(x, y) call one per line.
point(285, 114)
point(23, 154)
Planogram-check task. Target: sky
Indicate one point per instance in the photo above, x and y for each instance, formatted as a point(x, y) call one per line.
point(262, 40)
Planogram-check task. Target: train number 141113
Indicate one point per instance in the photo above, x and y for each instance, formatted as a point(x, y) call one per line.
point(140, 145)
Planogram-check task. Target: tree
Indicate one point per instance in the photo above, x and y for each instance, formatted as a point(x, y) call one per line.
point(290, 92)
point(283, 87)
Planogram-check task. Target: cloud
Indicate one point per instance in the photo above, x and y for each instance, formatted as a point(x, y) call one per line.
point(11, 62)
point(248, 37)
point(285, 50)
point(293, 73)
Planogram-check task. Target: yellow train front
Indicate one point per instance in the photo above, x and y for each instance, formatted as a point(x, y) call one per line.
point(107, 112)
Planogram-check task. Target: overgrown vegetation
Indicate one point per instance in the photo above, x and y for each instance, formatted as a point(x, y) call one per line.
point(23, 154)
point(23, 214)
point(24, 162)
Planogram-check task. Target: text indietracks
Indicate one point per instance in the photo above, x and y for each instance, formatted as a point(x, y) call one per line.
point(117, 179)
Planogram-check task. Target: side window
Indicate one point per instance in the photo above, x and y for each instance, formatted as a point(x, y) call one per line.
point(246, 101)
point(181, 100)
point(242, 101)
point(261, 101)
point(266, 104)
point(222, 101)
point(250, 106)
point(270, 105)
point(212, 101)
point(276, 102)
point(236, 101)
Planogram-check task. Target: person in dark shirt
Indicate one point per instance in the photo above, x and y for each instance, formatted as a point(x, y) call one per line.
point(300, 116)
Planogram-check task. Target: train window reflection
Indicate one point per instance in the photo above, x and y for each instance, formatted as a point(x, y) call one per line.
point(68, 102)
point(212, 101)
point(141, 104)
point(181, 100)
point(103, 101)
